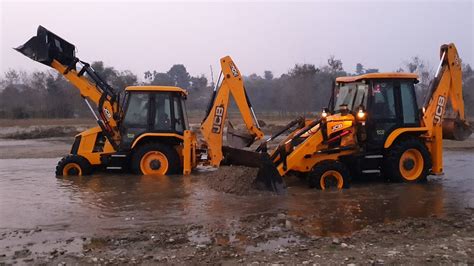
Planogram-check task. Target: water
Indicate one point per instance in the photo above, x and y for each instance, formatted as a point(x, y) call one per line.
point(31, 197)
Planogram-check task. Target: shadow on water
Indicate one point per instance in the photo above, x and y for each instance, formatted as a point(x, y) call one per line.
point(32, 197)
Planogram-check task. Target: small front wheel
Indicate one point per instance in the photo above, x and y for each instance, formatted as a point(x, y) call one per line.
point(73, 165)
point(329, 174)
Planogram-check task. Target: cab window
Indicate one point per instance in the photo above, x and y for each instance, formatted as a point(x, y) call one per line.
point(162, 112)
point(410, 113)
point(361, 96)
point(178, 112)
point(383, 100)
point(137, 110)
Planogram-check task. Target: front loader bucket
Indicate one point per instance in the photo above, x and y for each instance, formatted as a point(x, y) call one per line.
point(46, 47)
point(267, 178)
point(456, 129)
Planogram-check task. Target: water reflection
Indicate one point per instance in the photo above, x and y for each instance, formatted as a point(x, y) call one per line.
point(118, 202)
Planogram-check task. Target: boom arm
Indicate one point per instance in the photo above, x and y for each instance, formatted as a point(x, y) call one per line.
point(51, 50)
point(212, 126)
point(447, 84)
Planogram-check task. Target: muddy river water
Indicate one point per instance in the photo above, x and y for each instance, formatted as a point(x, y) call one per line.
point(32, 197)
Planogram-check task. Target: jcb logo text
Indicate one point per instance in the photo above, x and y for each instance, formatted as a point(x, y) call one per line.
point(439, 109)
point(218, 118)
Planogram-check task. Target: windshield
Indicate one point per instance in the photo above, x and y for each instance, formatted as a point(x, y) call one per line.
point(351, 94)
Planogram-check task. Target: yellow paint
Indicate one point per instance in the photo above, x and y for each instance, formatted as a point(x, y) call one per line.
point(90, 91)
point(213, 125)
point(71, 166)
point(146, 163)
point(331, 173)
point(156, 135)
point(157, 89)
point(389, 75)
point(399, 131)
point(189, 152)
point(416, 158)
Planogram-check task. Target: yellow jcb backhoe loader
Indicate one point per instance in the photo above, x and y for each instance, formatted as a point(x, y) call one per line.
point(148, 131)
point(374, 125)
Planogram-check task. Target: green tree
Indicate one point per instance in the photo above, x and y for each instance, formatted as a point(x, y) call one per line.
point(359, 69)
point(180, 76)
point(268, 75)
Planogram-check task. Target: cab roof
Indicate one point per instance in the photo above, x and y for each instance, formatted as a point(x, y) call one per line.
point(387, 75)
point(156, 88)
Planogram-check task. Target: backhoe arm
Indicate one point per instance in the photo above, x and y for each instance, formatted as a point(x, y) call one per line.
point(446, 84)
point(212, 126)
point(51, 50)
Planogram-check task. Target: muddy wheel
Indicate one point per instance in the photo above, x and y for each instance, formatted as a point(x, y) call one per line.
point(329, 174)
point(155, 159)
point(73, 165)
point(407, 161)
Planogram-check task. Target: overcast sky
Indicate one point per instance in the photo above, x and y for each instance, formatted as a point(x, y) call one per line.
point(260, 36)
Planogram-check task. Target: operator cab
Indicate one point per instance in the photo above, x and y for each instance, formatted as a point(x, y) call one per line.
point(153, 109)
point(388, 99)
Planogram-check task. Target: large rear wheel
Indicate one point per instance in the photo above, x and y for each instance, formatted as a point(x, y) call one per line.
point(155, 159)
point(329, 174)
point(73, 165)
point(408, 161)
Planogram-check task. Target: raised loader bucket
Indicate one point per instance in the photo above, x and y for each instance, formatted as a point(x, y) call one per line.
point(46, 47)
point(267, 178)
point(456, 129)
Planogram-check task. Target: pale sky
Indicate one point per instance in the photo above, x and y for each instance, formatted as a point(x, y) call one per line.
point(260, 36)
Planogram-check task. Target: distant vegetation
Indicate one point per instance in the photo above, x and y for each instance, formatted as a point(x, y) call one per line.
point(304, 89)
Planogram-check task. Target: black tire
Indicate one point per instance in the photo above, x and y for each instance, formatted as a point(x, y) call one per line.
point(335, 170)
point(73, 165)
point(172, 158)
point(411, 169)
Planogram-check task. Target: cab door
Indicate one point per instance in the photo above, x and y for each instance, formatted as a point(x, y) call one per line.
point(383, 116)
point(392, 104)
point(137, 117)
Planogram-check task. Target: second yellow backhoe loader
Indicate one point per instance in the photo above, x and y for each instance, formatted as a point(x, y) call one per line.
point(374, 125)
point(146, 132)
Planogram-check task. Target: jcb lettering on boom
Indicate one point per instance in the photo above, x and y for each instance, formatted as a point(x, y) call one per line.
point(439, 109)
point(218, 118)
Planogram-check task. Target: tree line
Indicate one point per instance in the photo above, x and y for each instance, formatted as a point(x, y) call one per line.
point(305, 88)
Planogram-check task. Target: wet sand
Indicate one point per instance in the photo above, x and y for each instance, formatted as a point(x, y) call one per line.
point(118, 218)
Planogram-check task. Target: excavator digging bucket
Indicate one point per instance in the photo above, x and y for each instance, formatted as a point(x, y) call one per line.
point(238, 139)
point(46, 47)
point(268, 177)
point(456, 129)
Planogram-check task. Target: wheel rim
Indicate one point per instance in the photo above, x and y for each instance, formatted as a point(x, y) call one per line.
point(154, 163)
point(71, 169)
point(411, 164)
point(331, 178)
